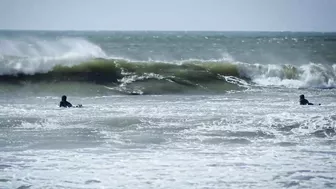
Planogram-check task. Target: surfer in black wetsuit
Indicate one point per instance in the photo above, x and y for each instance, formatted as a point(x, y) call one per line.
point(64, 103)
point(304, 101)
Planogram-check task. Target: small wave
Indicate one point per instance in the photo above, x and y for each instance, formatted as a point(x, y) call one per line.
point(24, 187)
point(287, 144)
point(92, 181)
point(325, 132)
point(251, 134)
point(226, 141)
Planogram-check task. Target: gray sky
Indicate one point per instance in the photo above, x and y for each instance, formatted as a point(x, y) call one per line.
point(250, 15)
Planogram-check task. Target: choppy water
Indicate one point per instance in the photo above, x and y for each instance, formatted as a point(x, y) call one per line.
point(217, 110)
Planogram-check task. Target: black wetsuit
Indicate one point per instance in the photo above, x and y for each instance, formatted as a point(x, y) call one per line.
point(305, 102)
point(65, 104)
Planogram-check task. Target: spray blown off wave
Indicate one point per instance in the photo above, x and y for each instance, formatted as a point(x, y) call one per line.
point(30, 55)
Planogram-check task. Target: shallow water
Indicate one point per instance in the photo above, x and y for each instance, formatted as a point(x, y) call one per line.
point(246, 139)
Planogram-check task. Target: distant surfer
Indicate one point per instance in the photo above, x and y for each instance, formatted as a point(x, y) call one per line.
point(304, 101)
point(64, 103)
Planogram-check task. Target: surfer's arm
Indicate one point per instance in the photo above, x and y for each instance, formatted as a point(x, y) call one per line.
point(305, 102)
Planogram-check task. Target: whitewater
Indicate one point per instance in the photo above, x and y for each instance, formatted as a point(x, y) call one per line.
point(167, 109)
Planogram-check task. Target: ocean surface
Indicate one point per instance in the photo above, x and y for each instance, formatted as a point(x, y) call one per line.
point(167, 110)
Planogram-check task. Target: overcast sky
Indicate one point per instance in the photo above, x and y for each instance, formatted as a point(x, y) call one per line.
point(233, 15)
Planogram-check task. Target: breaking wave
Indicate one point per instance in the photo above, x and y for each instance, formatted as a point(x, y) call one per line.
point(33, 60)
point(163, 77)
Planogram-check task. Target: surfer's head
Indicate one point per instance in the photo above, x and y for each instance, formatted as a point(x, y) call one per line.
point(64, 98)
point(302, 97)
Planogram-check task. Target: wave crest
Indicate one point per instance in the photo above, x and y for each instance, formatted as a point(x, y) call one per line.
point(30, 55)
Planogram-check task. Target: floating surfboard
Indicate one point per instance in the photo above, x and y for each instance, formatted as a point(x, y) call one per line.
point(78, 106)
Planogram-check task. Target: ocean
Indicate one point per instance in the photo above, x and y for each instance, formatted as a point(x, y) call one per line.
point(167, 109)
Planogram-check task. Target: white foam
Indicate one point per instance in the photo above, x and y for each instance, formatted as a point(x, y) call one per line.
point(236, 81)
point(310, 75)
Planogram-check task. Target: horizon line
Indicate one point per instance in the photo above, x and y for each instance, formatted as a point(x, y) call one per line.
point(108, 30)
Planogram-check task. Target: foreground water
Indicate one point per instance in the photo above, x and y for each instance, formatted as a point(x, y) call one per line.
point(238, 140)
point(207, 110)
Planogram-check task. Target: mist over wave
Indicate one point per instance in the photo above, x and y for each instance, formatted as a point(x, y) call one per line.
point(30, 55)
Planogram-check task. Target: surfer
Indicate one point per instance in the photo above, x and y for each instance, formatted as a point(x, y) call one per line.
point(304, 101)
point(64, 103)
